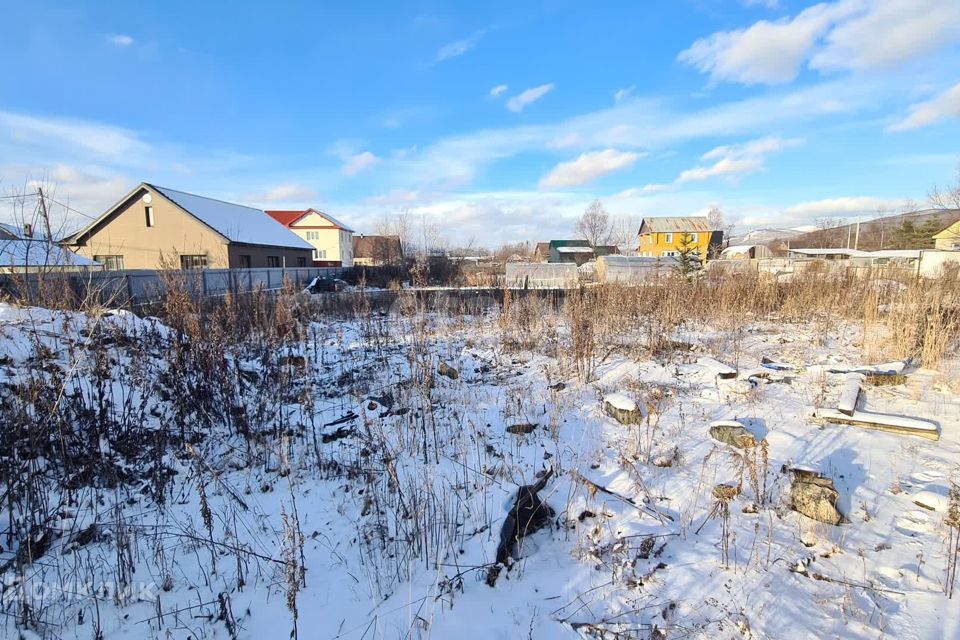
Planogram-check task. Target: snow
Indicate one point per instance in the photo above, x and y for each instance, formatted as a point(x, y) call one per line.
point(850, 393)
point(620, 401)
point(236, 222)
point(925, 427)
point(363, 580)
point(39, 253)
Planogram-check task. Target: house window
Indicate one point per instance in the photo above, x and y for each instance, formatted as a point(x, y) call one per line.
point(110, 263)
point(301, 261)
point(319, 254)
point(668, 238)
point(313, 235)
point(693, 237)
point(245, 261)
point(148, 211)
point(273, 261)
point(193, 262)
point(669, 254)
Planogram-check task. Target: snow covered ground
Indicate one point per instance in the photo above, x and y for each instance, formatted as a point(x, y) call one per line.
point(348, 481)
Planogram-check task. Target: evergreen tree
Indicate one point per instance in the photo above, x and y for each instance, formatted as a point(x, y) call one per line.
point(689, 257)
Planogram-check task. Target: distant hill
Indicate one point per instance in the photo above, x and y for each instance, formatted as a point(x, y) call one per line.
point(763, 236)
point(912, 230)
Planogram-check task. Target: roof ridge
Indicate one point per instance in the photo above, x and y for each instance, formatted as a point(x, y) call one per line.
point(197, 195)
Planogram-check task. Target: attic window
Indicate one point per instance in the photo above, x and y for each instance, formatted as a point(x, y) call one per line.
point(149, 214)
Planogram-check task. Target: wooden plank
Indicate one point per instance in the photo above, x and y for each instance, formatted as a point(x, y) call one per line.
point(902, 425)
point(850, 393)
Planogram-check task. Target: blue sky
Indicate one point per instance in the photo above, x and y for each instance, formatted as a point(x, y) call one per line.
point(496, 121)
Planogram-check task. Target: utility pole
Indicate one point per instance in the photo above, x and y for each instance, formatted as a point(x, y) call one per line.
point(856, 242)
point(43, 212)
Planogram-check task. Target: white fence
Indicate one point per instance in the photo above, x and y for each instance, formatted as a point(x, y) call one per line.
point(143, 286)
point(930, 264)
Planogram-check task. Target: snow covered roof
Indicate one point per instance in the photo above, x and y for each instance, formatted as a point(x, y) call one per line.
point(39, 253)
point(674, 224)
point(739, 248)
point(575, 249)
point(831, 252)
point(910, 254)
point(8, 231)
point(236, 222)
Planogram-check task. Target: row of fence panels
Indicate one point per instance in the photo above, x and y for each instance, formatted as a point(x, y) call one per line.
point(142, 286)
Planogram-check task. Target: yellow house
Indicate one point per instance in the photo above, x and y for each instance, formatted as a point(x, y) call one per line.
point(331, 240)
point(949, 238)
point(153, 227)
point(666, 237)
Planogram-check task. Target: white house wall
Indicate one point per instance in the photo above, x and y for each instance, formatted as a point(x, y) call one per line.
point(332, 242)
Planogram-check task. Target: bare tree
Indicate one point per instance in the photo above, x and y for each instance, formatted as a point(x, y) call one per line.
point(623, 231)
point(946, 197)
point(595, 225)
point(717, 222)
point(715, 219)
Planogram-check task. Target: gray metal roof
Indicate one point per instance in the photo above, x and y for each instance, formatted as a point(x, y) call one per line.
point(39, 253)
point(676, 224)
point(235, 222)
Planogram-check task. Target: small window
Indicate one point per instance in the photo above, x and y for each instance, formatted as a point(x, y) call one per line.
point(193, 262)
point(245, 261)
point(313, 235)
point(110, 263)
point(668, 238)
point(319, 254)
point(669, 254)
point(273, 261)
point(693, 237)
point(148, 211)
point(301, 261)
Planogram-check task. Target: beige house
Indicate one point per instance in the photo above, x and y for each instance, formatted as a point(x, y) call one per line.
point(949, 238)
point(332, 241)
point(154, 227)
point(374, 251)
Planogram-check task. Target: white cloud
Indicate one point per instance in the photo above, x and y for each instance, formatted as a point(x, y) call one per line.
point(738, 159)
point(499, 89)
point(621, 94)
point(99, 139)
point(945, 105)
point(588, 167)
point(84, 190)
point(566, 141)
point(460, 47)
point(359, 162)
point(889, 32)
point(120, 40)
point(766, 52)
point(283, 193)
point(528, 97)
point(845, 34)
point(645, 190)
point(841, 207)
point(396, 197)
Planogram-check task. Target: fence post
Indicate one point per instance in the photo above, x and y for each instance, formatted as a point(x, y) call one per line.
point(126, 278)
